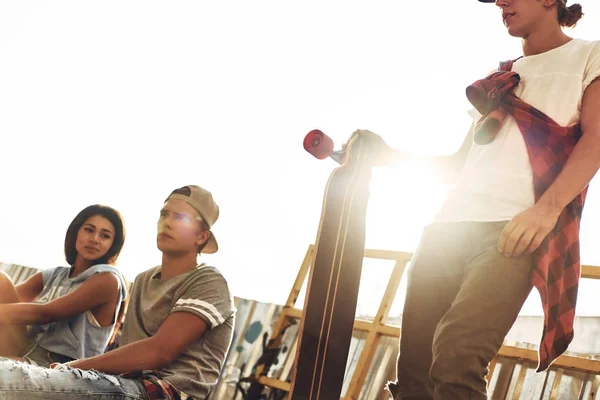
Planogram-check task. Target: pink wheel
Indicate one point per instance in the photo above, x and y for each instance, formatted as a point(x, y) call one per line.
point(318, 144)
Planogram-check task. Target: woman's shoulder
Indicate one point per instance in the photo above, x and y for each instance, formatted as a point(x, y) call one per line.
point(54, 272)
point(96, 269)
point(101, 268)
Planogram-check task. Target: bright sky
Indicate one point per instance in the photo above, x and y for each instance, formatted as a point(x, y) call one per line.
point(121, 102)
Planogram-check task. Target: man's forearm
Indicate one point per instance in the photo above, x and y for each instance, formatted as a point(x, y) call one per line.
point(580, 168)
point(447, 167)
point(138, 356)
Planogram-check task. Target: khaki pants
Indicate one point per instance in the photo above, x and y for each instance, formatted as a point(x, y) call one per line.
point(463, 296)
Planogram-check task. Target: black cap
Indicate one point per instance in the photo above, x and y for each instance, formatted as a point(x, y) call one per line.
point(487, 1)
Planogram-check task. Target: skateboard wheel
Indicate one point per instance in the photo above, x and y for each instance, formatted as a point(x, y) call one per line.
point(318, 144)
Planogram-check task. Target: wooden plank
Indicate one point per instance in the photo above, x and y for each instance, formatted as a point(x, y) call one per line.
point(594, 388)
point(590, 272)
point(356, 348)
point(366, 358)
point(587, 379)
point(564, 361)
point(301, 277)
point(282, 322)
point(359, 324)
point(388, 254)
point(518, 388)
point(503, 380)
point(390, 291)
point(587, 271)
point(379, 376)
point(275, 383)
point(362, 368)
point(377, 329)
point(541, 383)
point(389, 330)
point(556, 384)
point(491, 369)
point(289, 362)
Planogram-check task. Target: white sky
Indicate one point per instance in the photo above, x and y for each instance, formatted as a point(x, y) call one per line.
point(121, 102)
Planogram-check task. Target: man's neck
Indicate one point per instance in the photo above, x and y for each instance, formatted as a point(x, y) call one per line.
point(543, 40)
point(173, 265)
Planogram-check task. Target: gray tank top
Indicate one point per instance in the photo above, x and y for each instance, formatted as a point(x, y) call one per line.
point(78, 336)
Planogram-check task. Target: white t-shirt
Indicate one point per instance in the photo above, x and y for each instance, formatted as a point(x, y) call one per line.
point(497, 181)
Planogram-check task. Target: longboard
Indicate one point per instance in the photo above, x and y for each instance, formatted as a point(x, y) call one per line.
point(332, 292)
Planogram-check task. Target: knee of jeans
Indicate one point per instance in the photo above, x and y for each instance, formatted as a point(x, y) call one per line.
point(462, 352)
point(464, 365)
point(12, 371)
point(15, 370)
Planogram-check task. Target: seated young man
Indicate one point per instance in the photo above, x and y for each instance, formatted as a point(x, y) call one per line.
point(177, 329)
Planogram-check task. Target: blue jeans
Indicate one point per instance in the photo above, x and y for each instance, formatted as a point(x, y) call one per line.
point(21, 381)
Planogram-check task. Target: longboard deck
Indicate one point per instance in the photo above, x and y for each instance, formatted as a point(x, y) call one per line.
point(330, 306)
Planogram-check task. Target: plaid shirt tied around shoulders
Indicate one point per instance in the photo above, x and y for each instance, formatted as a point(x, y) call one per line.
point(557, 262)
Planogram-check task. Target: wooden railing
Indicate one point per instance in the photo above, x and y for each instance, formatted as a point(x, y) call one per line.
point(378, 328)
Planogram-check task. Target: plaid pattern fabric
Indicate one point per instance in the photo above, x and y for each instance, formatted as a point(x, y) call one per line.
point(557, 263)
point(156, 388)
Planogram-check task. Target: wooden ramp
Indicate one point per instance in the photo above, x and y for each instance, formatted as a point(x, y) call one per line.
point(515, 378)
point(374, 350)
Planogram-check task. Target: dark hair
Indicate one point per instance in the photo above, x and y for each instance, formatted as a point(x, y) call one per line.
point(569, 16)
point(203, 227)
point(110, 214)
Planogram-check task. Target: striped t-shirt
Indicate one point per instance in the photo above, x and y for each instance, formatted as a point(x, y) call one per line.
point(203, 292)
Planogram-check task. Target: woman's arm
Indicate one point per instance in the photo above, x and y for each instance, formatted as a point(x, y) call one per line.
point(96, 290)
point(29, 290)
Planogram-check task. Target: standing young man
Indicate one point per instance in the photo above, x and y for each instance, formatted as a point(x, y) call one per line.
point(177, 329)
point(512, 218)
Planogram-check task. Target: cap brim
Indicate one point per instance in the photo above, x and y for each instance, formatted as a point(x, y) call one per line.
point(487, 1)
point(211, 246)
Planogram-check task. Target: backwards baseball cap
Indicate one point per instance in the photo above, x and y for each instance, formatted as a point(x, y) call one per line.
point(202, 201)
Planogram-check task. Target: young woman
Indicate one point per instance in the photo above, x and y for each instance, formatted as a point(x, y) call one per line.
point(67, 313)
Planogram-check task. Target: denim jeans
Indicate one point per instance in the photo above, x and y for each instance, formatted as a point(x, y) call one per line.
point(22, 381)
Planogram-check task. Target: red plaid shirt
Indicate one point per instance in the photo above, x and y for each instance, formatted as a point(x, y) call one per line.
point(156, 388)
point(557, 265)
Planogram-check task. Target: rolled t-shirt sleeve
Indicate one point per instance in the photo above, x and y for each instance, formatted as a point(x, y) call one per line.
point(592, 69)
point(206, 295)
point(47, 275)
